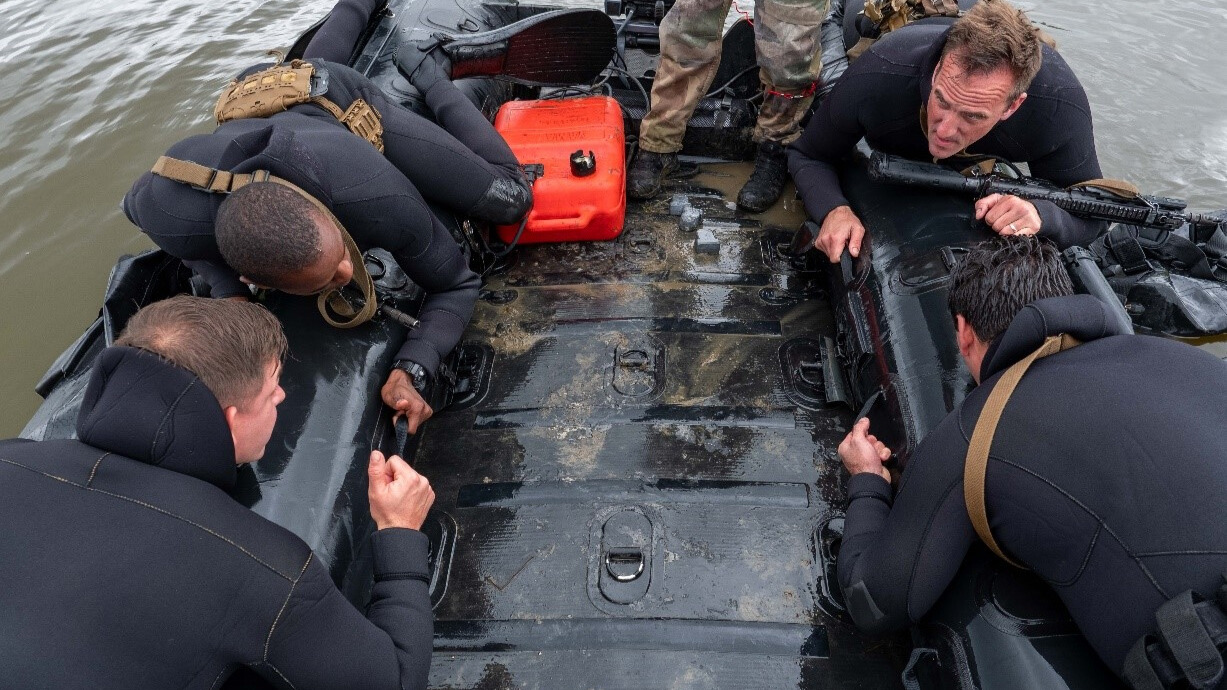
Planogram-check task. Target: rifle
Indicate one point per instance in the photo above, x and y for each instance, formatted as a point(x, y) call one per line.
point(1087, 201)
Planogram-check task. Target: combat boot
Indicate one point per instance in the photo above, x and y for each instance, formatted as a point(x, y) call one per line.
point(767, 180)
point(646, 173)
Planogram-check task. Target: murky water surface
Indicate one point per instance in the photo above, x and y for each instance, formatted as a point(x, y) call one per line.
point(93, 92)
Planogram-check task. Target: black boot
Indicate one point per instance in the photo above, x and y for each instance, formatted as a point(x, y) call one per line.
point(646, 173)
point(767, 180)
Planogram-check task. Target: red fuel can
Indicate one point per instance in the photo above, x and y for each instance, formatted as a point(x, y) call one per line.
point(581, 194)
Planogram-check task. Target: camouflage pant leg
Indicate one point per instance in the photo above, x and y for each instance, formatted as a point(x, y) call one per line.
point(787, 38)
point(690, 42)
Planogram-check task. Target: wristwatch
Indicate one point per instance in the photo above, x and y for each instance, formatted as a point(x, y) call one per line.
point(417, 373)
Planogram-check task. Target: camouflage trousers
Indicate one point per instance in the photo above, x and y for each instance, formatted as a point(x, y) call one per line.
point(787, 41)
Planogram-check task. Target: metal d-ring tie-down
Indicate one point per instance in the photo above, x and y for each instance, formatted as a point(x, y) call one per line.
point(624, 556)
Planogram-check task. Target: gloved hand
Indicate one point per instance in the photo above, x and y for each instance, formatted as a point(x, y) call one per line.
point(424, 63)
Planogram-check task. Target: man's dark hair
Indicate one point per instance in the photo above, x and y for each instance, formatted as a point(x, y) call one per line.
point(994, 34)
point(267, 231)
point(999, 277)
point(228, 344)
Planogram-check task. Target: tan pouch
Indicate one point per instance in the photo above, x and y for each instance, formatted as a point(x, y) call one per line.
point(267, 92)
point(280, 87)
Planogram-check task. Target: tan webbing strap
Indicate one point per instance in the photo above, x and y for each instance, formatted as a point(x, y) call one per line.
point(861, 46)
point(222, 182)
point(976, 468)
point(1120, 188)
point(984, 167)
point(205, 178)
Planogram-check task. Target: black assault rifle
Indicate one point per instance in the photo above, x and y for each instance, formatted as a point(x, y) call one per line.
point(1087, 202)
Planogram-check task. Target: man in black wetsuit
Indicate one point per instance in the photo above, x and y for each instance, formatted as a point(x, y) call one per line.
point(127, 565)
point(1105, 476)
point(266, 234)
point(985, 85)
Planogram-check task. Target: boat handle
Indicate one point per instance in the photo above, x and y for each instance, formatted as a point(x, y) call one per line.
point(616, 558)
point(573, 223)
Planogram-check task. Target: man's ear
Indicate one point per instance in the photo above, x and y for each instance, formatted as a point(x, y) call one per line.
point(1015, 105)
point(964, 334)
point(248, 281)
point(231, 414)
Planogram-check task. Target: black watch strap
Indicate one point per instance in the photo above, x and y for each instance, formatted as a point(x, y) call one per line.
point(417, 373)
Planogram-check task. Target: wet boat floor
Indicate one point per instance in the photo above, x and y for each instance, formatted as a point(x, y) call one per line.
point(638, 497)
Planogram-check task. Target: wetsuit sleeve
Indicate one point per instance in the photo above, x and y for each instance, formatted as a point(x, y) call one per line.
point(451, 291)
point(462, 162)
point(223, 281)
point(338, 35)
point(832, 133)
point(381, 208)
point(321, 642)
point(1074, 161)
point(181, 224)
point(899, 555)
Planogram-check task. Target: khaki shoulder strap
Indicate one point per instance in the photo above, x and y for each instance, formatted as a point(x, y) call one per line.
point(1120, 188)
point(976, 468)
point(222, 182)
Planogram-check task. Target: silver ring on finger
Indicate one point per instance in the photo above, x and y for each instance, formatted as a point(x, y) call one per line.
point(1012, 228)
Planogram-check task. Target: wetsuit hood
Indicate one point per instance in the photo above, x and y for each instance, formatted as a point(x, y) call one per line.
point(140, 406)
point(1082, 316)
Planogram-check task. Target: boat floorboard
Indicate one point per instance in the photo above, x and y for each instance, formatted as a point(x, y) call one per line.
point(638, 392)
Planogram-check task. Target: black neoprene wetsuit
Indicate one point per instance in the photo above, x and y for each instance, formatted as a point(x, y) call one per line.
point(381, 199)
point(1106, 477)
point(880, 96)
point(127, 565)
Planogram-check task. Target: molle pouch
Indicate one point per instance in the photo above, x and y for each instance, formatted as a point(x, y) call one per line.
point(270, 91)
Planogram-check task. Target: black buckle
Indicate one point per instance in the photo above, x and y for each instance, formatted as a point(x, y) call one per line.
point(208, 185)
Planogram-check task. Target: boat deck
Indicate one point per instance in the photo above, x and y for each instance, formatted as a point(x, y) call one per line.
point(644, 408)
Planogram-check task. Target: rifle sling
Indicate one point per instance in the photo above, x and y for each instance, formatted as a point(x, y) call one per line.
point(1120, 188)
point(217, 181)
point(975, 470)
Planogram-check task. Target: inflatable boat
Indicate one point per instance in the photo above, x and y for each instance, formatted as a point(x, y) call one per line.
point(633, 449)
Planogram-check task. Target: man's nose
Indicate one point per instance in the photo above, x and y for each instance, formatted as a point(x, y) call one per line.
point(946, 127)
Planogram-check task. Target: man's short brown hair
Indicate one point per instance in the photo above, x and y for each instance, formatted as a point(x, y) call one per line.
point(995, 34)
point(228, 344)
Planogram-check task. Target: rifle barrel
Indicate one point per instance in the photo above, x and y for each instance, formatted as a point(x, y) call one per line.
point(1160, 212)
